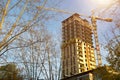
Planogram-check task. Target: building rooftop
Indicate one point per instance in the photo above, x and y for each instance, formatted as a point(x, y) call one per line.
point(75, 14)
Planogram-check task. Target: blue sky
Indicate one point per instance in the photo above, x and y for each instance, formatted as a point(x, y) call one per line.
point(78, 6)
point(82, 7)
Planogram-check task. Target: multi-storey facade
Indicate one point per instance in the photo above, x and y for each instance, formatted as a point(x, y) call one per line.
point(77, 46)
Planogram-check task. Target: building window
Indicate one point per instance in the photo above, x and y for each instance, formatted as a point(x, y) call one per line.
point(67, 71)
point(84, 47)
point(87, 69)
point(84, 43)
point(74, 70)
point(81, 70)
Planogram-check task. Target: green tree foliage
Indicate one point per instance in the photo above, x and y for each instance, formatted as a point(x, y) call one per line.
point(9, 72)
point(106, 73)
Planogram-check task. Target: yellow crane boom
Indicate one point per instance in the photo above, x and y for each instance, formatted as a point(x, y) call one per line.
point(93, 26)
point(93, 21)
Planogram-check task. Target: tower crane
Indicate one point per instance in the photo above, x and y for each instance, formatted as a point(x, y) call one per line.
point(93, 27)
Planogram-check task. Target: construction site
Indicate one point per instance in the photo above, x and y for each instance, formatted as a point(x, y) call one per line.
point(78, 52)
point(52, 40)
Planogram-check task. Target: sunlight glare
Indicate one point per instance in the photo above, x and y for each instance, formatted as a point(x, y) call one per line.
point(102, 2)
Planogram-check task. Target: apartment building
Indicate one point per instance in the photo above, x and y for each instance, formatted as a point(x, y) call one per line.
point(77, 46)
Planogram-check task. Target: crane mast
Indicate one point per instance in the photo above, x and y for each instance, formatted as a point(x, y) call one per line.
point(93, 21)
point(97, 48)
point(93, 27)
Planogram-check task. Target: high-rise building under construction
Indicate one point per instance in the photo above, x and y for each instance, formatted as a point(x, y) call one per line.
point(77, 46)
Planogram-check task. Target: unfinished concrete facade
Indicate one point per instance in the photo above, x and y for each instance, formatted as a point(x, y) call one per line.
point(77, 46)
